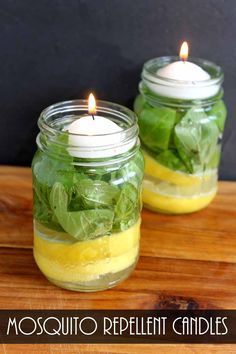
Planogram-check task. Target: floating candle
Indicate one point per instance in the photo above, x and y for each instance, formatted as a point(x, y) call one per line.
point(183, 70)
point(183, 79)
point(94, 136)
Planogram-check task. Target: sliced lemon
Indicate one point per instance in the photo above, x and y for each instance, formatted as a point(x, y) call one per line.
point(83, 261)
point(154, 169)
point(176, 205)
point(174, 190)
point(81, 273)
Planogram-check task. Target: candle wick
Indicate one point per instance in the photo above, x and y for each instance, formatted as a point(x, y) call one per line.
point(92, 116)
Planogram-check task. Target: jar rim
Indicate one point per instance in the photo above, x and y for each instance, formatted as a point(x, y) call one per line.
point(151, 67)
point(54, 120)
point(82, 105)
point(182, 91)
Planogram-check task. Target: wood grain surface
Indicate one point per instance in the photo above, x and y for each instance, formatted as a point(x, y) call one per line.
point(186, 262)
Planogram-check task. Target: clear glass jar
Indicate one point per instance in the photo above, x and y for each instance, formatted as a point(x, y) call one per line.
point(86, 210)
point(181, 137)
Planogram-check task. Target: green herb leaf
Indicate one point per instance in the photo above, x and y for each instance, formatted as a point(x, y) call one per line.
point(215, 160)
point(55, 165)
point(127, 208)
point(81, 200)
point(83, 225)
point(170, 159)
point(155, 126)
point(131, 171)
point(196, 139)
point(47, 169)
point(218, 114)
point(96, 194)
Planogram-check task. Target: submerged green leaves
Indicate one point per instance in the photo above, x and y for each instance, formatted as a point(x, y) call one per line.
point(86, 203)
point(196, 139)
point(127, 207)
point(155, 126)
point(96, 194)
point(84, 224)
point(219, 112)
point(186, 141)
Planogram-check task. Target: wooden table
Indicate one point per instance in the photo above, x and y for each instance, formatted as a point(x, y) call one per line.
point(186, 262)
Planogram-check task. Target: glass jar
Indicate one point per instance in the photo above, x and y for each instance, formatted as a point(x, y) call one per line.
point(181, 137)
point(86, 210)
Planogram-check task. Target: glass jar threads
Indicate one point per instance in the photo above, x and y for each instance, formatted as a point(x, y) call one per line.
point(86, 197)
point(181, 125)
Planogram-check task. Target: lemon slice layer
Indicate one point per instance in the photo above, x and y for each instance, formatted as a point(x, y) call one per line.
point(87, 260)
point(176, 205)
point(154, 169)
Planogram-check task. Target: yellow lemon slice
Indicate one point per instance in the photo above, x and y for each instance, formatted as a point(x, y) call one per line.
point(154, 169)
point(77, 273)
point(87, 260)
point(176, 205)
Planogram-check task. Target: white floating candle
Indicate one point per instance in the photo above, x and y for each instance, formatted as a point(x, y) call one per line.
point(186, 80)
point(183, 71)
point(94, 136)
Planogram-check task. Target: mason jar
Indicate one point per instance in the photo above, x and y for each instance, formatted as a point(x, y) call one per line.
point(181, 137)
point(86, 209)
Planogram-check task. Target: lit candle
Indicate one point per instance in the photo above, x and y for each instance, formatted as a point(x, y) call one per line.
point(183, 79)
point(94, 136)
point(183, 70)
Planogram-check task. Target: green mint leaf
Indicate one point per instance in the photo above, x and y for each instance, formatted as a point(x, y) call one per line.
point(96, 194)
point(155, 126)
point(196, 139)
point(83, 225)
point(131, 171)
point(127, 208)
point(215, 159)
point(218, 114)
point(55, 165)
point(170, 159)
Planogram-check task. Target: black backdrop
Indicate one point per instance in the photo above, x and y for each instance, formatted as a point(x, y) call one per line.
point(52, 50)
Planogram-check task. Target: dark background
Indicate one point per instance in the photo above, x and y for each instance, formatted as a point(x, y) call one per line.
point(53, 50)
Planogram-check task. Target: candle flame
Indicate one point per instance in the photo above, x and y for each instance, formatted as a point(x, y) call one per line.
point(91, 104)
point(183, 54)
